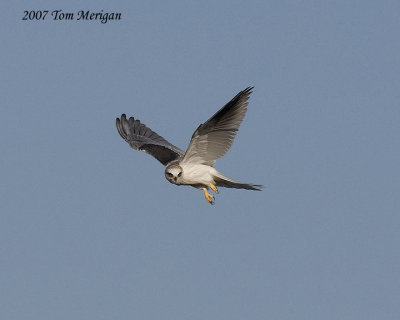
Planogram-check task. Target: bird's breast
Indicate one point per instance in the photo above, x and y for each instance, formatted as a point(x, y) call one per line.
point(197, 174)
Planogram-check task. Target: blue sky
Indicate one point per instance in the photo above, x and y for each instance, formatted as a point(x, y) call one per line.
point(91, 229)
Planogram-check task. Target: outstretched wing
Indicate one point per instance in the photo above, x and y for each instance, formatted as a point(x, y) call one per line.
point(214, 138)
point(143, 138)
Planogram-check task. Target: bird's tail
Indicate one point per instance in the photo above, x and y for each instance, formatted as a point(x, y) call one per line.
point(223, 181)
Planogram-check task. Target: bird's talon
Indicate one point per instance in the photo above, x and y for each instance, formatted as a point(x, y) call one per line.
point(214, 188)
point(209, 197)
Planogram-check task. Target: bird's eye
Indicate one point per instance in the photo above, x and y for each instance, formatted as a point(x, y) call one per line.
point(169, 174)
point(179, 174)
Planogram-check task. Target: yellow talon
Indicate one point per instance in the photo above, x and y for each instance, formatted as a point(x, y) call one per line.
point(209, 197)
point(214, 188)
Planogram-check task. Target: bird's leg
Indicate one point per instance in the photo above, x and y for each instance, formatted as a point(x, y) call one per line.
point(214, 188)
point(209, 197)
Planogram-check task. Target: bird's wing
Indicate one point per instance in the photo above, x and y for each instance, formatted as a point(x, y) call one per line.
point(143, 138)
point(213, 139)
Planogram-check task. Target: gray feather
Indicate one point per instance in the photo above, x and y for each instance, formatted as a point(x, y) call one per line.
point(223, 181)
point(213, 139)
point(140, 137)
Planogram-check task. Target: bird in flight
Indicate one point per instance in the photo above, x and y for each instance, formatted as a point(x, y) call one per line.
point(210, 141)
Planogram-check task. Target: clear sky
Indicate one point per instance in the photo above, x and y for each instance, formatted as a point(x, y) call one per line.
point(91, 229)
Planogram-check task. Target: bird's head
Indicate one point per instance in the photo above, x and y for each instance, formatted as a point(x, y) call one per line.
point(173, 173)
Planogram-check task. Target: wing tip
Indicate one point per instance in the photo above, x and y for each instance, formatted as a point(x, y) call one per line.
point(119, 122)
point(248, 90)
point(119, 128)
point(241, 99)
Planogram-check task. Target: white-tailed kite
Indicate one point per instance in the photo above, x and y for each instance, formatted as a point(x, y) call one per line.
point(210, 141)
